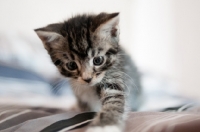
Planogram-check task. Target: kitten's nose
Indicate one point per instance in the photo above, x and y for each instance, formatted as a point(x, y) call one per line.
point(88, 80)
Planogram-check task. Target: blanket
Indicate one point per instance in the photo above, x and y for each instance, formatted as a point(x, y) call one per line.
point(29, 119)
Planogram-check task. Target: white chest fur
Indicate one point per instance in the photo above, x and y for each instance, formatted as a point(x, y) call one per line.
point(88, 95)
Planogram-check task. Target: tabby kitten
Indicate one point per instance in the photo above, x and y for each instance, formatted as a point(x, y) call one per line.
point(85, 48)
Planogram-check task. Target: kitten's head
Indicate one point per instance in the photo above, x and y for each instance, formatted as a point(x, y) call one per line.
point(84, 46)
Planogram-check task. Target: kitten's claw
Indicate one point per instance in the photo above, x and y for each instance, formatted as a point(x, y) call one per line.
point(104, 129)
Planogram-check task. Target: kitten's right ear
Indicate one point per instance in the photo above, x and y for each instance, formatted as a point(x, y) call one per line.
point(107, 25)
point(50, 38)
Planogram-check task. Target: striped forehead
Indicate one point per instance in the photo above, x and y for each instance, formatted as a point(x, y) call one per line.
point(79, 38)
point(79, 47)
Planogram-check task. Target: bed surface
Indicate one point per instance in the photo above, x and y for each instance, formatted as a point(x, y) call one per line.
point(25, 119)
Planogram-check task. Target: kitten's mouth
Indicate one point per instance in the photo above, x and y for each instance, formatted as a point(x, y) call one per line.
point(88, 84)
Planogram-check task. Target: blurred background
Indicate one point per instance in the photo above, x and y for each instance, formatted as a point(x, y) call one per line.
point(162, 36)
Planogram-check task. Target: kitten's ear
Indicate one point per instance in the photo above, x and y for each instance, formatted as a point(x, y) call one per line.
point(50, 36)
point(108, 25)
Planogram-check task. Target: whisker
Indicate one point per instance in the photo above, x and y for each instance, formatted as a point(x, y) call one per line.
point(131, 79)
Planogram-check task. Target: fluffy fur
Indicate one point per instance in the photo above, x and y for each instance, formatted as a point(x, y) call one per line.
point(111, 87)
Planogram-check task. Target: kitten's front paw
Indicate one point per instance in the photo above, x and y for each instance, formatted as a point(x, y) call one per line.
point(110, 128)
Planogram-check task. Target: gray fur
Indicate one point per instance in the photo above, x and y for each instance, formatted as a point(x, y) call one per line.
point(115, 85)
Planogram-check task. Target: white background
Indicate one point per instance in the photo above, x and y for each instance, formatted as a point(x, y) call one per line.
point(162, 36)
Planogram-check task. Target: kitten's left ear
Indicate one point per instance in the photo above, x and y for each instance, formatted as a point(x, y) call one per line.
point(50, 36)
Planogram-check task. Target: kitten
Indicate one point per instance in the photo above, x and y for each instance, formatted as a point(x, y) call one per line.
point(85, 49)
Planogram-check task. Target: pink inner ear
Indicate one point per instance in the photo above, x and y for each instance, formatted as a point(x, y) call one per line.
point(43, 38)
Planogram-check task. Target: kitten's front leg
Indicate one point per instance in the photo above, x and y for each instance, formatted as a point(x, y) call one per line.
point(110, 118)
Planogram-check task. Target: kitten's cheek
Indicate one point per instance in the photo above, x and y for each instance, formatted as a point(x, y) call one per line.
point(97, 79)
point(94, 81)
point(79, 80)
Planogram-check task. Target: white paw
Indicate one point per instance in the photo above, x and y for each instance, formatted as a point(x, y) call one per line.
point(104, 129)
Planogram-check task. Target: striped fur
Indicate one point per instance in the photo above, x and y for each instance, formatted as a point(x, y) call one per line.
point(114, 84)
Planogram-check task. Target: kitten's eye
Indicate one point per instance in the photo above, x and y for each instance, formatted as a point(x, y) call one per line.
point(98, 60)
point(71, 65)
